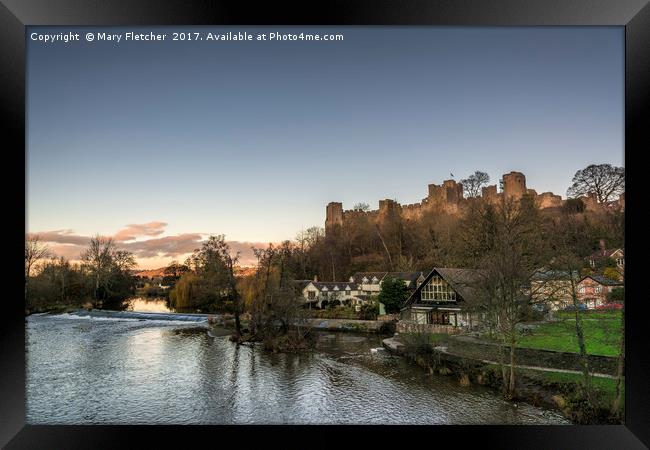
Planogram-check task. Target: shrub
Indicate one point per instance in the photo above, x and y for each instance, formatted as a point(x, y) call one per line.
point(393, 294)
point(616, 295)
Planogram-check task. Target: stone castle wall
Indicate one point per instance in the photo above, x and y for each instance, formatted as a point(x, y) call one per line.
point(448, 198)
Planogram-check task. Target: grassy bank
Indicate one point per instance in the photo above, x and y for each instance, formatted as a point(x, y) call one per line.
point(568, 386)
point(602, 333)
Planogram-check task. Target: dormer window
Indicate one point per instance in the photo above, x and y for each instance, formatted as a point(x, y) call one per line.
point(336, 288)
point(325, 289)
point(374, 280)
point(351, 279)
point(364, 280)
point(619, 262)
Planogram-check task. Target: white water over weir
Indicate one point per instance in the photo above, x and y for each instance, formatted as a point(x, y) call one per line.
point(134, 315)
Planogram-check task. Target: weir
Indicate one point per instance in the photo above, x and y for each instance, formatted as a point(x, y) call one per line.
point(142, 315)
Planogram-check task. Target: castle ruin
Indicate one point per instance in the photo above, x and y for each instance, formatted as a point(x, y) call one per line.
point(448, 198)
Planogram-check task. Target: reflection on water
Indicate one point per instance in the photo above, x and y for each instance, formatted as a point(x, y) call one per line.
point(84, 370)
point(148, 304)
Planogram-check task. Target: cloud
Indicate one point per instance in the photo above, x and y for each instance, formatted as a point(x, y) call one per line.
point(62, 237)
point(167, 246)
point(70, 245)
point(133, 231)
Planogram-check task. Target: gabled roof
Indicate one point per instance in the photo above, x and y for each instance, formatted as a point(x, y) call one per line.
point(544, 274)
point(406, 276)
point(357, 277)
point(301, 284)
point(463, 281)
point(602, 280)
point(333, 285)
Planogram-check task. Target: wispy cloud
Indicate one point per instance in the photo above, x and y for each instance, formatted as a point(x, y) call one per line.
point(152, 252)
point(133, 231)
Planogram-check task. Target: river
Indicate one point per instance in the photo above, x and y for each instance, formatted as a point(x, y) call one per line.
point(114, 370)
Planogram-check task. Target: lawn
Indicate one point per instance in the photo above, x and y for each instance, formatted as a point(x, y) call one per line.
point(602, 331)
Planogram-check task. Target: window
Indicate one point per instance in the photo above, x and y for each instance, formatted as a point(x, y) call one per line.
point(311, 295)
point(437, 289)
point(619, 262)
point(598, 289)
point(581, 289)
point(592, 263)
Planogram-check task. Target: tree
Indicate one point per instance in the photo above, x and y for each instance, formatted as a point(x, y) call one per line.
point(565, 235)
point(35, 250)
point(173, 272)
point(210, 282)
point(573, 205)
point(98, 259)
point(473, 184)
point(109, 270)
point(361, 206)
point(504, 240)
point(393, 294)
point(604, 181)
point(611, 273)
point(616, 295)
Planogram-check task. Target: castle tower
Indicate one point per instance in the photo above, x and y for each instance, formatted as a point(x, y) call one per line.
point(514, 185)
point(453, 191)
point(333, 216)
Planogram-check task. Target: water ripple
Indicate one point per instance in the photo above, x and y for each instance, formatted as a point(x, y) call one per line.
point(164, 372)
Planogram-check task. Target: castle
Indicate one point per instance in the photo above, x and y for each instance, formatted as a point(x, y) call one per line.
point(448, 198)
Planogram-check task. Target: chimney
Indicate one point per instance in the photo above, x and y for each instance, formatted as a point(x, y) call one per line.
point(602, 246)
point(315, 278)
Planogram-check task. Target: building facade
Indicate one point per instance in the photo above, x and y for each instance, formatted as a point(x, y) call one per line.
point(442, 299)
point(593, 290)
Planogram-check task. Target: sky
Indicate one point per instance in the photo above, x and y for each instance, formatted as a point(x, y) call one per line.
point(159, 144)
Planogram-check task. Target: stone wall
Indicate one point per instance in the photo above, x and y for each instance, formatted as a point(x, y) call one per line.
point(410, 327)
point(448, 198)
point(473, 348)
point(365, 326)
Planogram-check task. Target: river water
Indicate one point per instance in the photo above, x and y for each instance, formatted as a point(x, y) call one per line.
point(86, 369)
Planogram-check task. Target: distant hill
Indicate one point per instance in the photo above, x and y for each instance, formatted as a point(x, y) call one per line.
point(151, 273)
point(160, 272)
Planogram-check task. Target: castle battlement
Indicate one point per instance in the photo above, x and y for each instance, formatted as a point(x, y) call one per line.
point(449, 198)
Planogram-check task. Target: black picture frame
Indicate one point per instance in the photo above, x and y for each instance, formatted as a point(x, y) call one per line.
point(634, 15)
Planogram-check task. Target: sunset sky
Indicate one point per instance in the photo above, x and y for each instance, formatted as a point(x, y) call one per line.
point(161, 143)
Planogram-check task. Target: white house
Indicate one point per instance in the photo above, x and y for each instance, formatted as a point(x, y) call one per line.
point(370, 282)
point(321, 293)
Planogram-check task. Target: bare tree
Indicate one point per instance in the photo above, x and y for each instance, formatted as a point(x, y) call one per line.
point(565, 234)
point(473, 184)
point(35, 250)
point(231, 262)
point(98, 259)
point(503, 240)
point(620, 369)
point(605, 181)
point(361, 206)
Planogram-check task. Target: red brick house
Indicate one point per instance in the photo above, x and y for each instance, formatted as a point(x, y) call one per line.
point(593, 290)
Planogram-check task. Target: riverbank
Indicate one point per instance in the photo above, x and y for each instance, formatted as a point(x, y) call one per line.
point(554, 388)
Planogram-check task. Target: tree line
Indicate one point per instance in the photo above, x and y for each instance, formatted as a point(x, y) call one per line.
point(102, 278)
